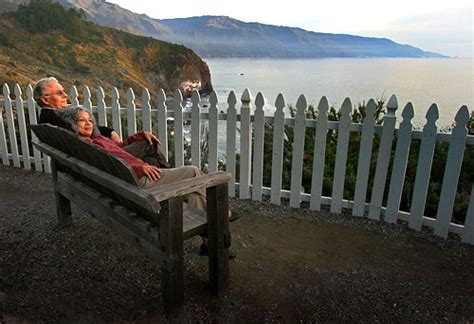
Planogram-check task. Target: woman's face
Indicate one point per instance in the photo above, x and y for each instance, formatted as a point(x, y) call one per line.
point(85, 124)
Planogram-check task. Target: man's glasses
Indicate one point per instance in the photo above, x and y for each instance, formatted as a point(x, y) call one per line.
point(57, 93)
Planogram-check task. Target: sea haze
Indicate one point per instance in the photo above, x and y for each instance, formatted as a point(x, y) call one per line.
point(446, 82)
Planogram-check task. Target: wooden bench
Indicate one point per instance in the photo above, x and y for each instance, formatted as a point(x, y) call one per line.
point(151, 219)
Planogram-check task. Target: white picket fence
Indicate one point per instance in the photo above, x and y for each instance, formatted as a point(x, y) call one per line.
point(252, 123)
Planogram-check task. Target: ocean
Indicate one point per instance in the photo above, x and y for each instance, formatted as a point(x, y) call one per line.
point(446, 82)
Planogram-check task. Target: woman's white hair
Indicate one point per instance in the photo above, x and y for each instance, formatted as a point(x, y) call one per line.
point(70, 117)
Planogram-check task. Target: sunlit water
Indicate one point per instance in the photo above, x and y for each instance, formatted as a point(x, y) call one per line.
point(446, 82)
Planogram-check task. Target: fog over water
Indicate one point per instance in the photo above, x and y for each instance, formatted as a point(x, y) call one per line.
point(446, 82)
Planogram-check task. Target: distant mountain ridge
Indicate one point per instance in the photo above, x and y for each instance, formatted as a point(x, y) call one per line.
point(220, 36)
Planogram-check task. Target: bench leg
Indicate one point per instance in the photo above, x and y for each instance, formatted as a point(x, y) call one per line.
point(171, 237)
point(219, 237)
point(63, 205)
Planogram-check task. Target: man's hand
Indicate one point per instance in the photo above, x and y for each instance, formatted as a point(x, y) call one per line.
point(150, 138)
point(114, 136)
point(152, 172)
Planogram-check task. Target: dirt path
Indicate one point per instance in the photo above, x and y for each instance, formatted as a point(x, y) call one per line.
point(291, 265)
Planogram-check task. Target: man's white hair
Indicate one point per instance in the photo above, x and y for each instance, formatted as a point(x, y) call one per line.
point(38, 89)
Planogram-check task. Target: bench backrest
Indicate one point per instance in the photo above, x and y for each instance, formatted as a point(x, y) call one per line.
point(99, 169)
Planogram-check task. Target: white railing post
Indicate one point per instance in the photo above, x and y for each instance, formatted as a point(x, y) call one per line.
point(259, 136)
point(131, 113)
point(74, 96)
point(452, 171)
point(319, 154)
point(146, 111)
point(423, 169)
point(213, 134)
point(20, 112)
point(400, 162)
point(33, 121)
point(196, 130)
point(178, 129)
point(245, 145)
point(277, 150)
point(87, 98)
point(298, 152)
point(116, 117)
point(365, 156)
point(383, 159)
point(162, 116)
point(11, 125)
point(3, 137)
point(230, 147)
point(341, 156)
point(101, 107)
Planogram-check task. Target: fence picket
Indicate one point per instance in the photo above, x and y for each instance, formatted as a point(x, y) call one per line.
point(3, 136)
point(116, 117)
point(162, 122)
point(451, 173)
point(365, 156)
point(178, 129)
point(101, 107)
point(298, 152)
point(33, 120)
point(196, 129)
point(230, 149)
point(20, 112)
point(383, 159)
point(87, 99)
point(400, 163)
point(259, 136)
point(468, 234)
point(146, 111)
point(213, 135)
point(245, 145)
point(341, 156)
point(131, 113)
point(11, 125)
point(319, 155)
point(277, 150)
point(74, 96)
point(423, 169)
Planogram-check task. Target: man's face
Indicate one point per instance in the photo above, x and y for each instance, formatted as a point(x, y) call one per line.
point(54, 96)
point(84, 124)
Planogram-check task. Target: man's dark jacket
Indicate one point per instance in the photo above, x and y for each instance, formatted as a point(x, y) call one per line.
point(48, 116)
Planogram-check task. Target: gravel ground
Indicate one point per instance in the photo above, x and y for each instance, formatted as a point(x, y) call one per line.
point(292, 265)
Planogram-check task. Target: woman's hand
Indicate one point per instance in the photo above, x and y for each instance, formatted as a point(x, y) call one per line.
point(150, 138)
point(151, 172)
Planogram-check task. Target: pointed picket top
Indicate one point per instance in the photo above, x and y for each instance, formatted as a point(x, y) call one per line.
point(29, 91)
point(6, 90)
point(323, 106)
point(196, 98)
point(115, 94)
point(145, 97)
point(432, 115)
point(408, 112)
point(178, 99)
point(87, 98)
point(130, 96)
point(17, 91)
point(100, 94)
point(161, 96)
point(246, 96)
point(213, 98)
point(74, 96)
point(462, 116)
point(370, 109)
point(346, 107)
point(232, 99)
point(392, 105)
point(280, 102)
point(260, 101)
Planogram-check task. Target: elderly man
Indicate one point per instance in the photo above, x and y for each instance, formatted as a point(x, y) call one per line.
point(51, 97)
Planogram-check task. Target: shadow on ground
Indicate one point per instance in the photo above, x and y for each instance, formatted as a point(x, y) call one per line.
point(291, 265)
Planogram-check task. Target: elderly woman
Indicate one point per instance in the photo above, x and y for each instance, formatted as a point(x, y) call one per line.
point(82, 123)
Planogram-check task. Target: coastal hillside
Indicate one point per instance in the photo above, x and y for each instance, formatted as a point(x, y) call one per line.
point(219, 36)
point(45, 39)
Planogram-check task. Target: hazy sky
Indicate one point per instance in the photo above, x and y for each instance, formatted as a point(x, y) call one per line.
point(439, 26)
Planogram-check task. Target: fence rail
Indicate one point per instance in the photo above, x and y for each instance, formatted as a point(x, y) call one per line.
point(245, 124)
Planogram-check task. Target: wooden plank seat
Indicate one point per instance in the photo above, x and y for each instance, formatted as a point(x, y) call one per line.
point(152, 219)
